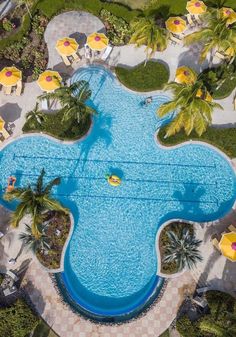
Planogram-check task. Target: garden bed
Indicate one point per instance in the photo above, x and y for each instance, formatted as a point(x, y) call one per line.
point(143, 78)
point(57, 231)
point(223, 138)
point(170, 267)
point(55, 127)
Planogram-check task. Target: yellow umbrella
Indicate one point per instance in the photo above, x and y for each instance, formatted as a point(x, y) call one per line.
point(185, 75)
point(229, 14)
point(206, 96)
point(49, 80)
point(228, 245)
point(97, 41)
point(196, 7)
point(2, 123)
point(66, 46)
point(9, 76)
point(176, 25)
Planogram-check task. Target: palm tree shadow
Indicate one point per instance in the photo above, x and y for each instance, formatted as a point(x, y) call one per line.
point(100, 133)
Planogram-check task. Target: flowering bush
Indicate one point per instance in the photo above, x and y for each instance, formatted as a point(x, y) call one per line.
point(7, 25)
point(118, 30)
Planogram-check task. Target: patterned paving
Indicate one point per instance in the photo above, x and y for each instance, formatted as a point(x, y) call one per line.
point(67, 324)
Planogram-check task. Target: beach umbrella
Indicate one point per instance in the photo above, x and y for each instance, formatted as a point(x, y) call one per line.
point(206, 96)
point(66, 46)
point(229, 14)
point(228, 245)
point(49, 80)
point(2, 123)
point(196, 7)
point(9, 76)
point(97, 41)
point(176, 25)
point(185, 75)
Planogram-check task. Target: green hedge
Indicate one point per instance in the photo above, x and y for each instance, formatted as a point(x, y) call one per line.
point(143, 78)
point(223, 138)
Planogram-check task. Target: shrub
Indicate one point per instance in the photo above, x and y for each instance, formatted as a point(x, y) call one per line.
point(17, 320)
point(152, 76)
point(185, 327)
point(118, 31)
point(224, 139)
point(7, 25)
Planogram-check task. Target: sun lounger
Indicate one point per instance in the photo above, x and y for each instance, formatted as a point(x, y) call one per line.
point(190, 21)
point(202, 290)
point(106, 53)
point(215, 243)
point(175, 39)
point(5, 134)
point(75, 57)
point(66, 60)
point(19, 88)
point(197, 19)
point(87, 52)
point(12, 275)
point(44, 104)
point(7, 90)
point(232, 228)
point(220, 55)
point(9, 291)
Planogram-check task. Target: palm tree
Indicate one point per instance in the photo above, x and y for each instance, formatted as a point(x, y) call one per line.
point(73, 100)
point(34, 200)
point(36, 114)
point(182, 248)
point(216, 35)
point(34, 242)
point(193, 106)
point(147, 32)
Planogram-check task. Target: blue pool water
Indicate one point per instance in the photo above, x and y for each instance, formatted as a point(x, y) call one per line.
point(110, 263)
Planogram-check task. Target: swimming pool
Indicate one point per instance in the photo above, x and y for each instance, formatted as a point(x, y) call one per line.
point(110, 263)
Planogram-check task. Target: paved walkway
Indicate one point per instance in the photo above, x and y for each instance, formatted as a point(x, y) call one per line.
point(67, 324)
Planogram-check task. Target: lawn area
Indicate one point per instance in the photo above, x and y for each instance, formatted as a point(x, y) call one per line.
point(225, 90)
point(133, 3)
point(143, 78)
point(165, 334)
point(223, 138)
point(43, 330)
point(53, 126)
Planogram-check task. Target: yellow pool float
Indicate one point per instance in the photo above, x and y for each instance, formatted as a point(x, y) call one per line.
point(114, 180)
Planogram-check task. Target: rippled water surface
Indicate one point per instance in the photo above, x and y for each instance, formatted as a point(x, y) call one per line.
point(110, 262)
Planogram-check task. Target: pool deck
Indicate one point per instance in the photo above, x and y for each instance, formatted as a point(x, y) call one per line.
point(215, 271)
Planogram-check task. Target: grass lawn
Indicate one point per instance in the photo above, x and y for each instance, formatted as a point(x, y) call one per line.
point(143, 78)
point(53, 126)
point(43, 330)
point(225, 90)
point(224, 139)
point(133, 3)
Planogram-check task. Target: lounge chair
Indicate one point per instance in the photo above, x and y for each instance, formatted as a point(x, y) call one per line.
point(231, 228)
point(220, 55)
point(75, 57)
point(175, 39)
point(19, 88)
point(190, 21)
point(5, 133)
point(9, 291)
point(7, 90)
point(12, 275)
point(197, 19)
point(66, 60)
point(202, 290)
point(44, 104)
point(106, 53)
point(87, 52)
point(215, 243)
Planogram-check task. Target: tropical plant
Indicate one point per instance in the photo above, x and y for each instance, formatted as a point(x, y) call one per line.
point(36, 114)
point(215, 35)
point(73, 100)
point(34, 200)
point(27, 3)
point(34, 242)
point(193, 107)
point(147, 32)
point(182, 248)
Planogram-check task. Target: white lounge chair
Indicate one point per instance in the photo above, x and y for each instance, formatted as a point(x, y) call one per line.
point(202, 290)
point(87, 52)
point(12, 275)
point(232, 228)
point(9, 291)
point(19, 88)
point(7, 90)
point(190, 21)
point(106, 53)
point(44, 104)
point(66, 60)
